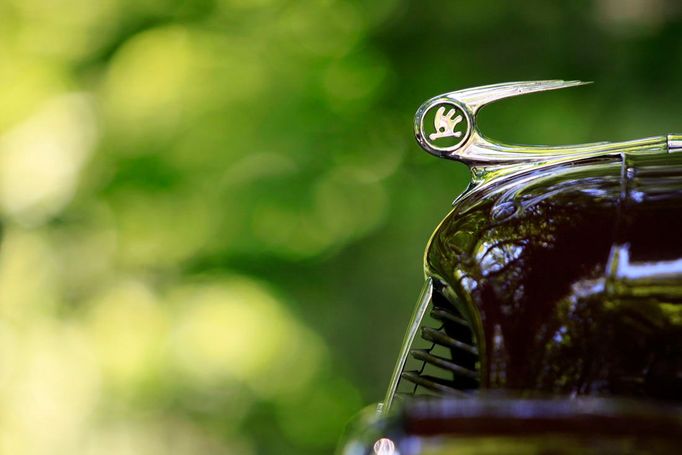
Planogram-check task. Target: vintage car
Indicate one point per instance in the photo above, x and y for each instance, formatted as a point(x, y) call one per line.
point(551, 316)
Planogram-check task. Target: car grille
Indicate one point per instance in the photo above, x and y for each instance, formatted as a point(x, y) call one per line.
point(443, 359)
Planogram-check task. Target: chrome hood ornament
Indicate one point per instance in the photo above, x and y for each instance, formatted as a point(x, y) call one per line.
point(445, 126)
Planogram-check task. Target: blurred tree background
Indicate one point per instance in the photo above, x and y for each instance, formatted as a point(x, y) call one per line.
point(214, 211)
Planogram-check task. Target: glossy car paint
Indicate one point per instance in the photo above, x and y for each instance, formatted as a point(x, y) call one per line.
point(571, 276)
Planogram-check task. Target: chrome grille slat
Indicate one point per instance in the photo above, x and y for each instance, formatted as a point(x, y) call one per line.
point(440, 338)
point(439, 355)
point(424, 355)
point(446, 316)
point(431, 383)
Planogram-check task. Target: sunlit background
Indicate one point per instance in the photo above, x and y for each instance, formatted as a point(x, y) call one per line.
point(213, 211)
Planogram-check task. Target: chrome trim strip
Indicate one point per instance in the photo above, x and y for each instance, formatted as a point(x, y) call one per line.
point(412, 330)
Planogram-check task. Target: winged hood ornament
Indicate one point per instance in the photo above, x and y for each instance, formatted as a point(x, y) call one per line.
point(446, 126)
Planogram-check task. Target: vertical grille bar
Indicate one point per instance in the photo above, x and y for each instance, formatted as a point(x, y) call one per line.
point(446, 363)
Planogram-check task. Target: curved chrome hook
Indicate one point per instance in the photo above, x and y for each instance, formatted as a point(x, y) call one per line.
point(462, 141)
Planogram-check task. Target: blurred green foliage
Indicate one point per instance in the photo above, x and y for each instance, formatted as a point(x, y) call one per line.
point(213, 211)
